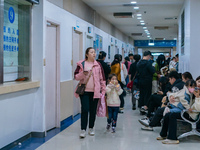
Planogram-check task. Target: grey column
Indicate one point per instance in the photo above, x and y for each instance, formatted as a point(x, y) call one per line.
point(1, 38)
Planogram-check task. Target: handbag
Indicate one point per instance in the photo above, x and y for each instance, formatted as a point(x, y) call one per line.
point(102, 107)
point(81, 86)
point(130, 84)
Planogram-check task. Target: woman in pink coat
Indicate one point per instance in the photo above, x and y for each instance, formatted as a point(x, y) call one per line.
point(95, 86)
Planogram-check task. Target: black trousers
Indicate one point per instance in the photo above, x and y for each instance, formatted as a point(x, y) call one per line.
point(170, 125)
point(145, 93)
point(153, 103)
point(88, 105)
point(121, 97)
point(155, 121)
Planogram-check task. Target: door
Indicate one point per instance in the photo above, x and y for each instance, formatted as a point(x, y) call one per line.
point(112, 53)
point(50, 76)
point(123, 54)
point(77, 54)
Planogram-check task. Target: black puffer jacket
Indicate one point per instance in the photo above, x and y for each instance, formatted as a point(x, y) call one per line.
point(106, 68)
point(146, 71)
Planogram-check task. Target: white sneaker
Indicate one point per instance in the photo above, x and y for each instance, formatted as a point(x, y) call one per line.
point(144, 121)
point(82, 134)
point(168, 141)
point(147, 128)
point(91, 132)
point(161, 138)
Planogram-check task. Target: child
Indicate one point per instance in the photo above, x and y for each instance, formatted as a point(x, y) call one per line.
point(113, 91)
point(181, 99)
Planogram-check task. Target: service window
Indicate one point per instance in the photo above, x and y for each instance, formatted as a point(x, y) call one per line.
point(16, 40)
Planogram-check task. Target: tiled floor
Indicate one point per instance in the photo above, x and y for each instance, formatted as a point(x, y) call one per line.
point(128, 136)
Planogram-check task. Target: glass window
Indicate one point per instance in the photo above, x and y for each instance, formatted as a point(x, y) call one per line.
point(16, 40)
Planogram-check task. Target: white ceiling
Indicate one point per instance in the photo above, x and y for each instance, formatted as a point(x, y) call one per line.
point(153, 13)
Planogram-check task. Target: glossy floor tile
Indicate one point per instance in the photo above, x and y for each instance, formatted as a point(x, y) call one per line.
point(128, 136)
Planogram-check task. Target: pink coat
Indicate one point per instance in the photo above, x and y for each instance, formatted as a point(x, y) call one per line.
point(99, 78)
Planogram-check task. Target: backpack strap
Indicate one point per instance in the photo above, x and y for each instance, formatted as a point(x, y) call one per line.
point(83, 64)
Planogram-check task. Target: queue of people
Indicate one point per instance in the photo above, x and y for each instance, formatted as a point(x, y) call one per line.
point(163, 92)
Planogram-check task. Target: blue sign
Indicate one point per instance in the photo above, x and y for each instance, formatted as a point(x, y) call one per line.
point(11, 15)
point(157, 43)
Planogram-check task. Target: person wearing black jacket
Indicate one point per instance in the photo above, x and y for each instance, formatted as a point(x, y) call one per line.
point(133, 75)
point(106, 68)
point(177, 85)
point(145, 71)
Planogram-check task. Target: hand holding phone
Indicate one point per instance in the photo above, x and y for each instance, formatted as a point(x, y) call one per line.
point(85, 72)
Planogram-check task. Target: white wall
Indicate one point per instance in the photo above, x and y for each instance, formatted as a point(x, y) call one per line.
point(67, 21)
point(194, 37)
point(189, 61)
point(22, 112)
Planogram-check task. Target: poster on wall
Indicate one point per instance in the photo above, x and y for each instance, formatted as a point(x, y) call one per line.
point(11, 41)
point(99, 44)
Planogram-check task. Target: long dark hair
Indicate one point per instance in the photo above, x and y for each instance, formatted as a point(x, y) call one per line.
point(116, 59)
point(126, 61)
point(87, 51)
point(161, 61)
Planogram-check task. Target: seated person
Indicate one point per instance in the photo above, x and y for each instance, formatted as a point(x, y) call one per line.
point(155, 99)
point(177, 84)
point(168, 132)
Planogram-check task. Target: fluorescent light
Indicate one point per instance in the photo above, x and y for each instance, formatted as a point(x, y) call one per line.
point(148, 36)
point(133, 2)
point(151, 44)
point(136, 7)
point(146, 30)
point(148, 33)
point(144, 27)
point(139, 17)
point(175, 38)
point(142, 23)
point(141, 20)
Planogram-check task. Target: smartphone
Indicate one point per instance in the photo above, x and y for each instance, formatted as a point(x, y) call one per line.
point(196, 88)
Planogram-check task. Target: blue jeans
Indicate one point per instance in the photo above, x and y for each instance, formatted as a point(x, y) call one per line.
point(112, 115)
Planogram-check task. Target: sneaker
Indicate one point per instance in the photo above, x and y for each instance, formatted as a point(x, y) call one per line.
point(121, 112)
point(91, 131)
point(144, 121)
point(143, 109)
point(161, 138)
point(168, 141)
point(82, 134)
point(113, 129)
point(108, 126)
point(133, 108)
point(147, 128)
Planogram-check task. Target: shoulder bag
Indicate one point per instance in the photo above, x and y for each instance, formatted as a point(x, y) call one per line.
point(81, 87)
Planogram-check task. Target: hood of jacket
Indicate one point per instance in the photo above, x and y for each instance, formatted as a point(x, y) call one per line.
point(142, 63)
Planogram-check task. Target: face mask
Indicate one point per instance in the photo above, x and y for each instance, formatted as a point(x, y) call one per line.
point(191, 90)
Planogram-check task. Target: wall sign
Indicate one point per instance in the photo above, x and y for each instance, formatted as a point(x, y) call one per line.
point(11, 15)
point(89, 29)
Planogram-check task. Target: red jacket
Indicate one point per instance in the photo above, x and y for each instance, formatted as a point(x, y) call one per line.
point(99, 78)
